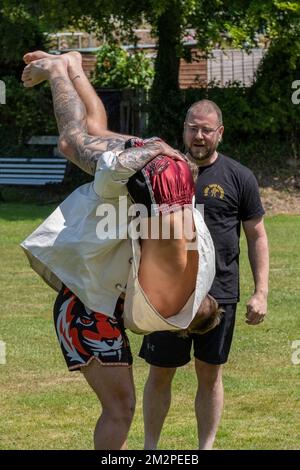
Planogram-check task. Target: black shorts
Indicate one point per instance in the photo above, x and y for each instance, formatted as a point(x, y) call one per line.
point(85, 335)
point(167, 349)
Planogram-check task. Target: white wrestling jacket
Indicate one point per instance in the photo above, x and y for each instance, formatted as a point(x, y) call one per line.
point(65, 249)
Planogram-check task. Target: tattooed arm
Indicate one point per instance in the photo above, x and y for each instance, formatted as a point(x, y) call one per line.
point(85, 150)
point(88, 150)
point(136, 158)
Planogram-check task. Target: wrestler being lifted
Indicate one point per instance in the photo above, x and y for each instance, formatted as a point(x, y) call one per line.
point(173, 270)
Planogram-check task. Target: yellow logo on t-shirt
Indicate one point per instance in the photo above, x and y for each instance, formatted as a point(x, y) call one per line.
point(214, 190)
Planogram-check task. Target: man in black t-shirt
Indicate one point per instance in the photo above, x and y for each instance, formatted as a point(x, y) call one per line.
point(230, 196)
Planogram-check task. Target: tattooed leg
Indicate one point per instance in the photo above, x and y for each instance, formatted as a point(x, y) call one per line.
point(70, 113)
point(96, 114)
point(95, 111)
point(68, 108)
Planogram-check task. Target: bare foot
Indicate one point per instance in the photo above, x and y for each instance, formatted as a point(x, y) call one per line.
point(36, 55)
point(72, 59)
point(36, 72)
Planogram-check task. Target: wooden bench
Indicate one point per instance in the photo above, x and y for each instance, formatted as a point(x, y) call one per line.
point(36, 171)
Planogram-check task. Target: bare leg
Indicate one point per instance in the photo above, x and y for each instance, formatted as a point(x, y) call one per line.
point(95, 111)
point(75, 142)
point(156, 403)
point(115, 390)
point(208, 402)
point(96, 114)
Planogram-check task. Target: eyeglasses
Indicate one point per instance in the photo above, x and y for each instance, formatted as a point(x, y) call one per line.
point(204, 130)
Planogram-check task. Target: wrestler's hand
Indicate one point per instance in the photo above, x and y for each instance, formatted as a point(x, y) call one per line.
point(170, 152)
point(256, 309)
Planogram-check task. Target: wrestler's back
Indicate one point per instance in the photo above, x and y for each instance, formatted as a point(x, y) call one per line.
point(168, 271)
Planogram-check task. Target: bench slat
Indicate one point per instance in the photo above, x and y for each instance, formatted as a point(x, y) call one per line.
point(39, 176)
point(27, 182)
point(43, 140)
point(33, 160)
point(34, 170)
point(24, 171)
point(31, 167)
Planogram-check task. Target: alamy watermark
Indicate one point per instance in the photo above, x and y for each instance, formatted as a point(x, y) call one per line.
point(137, 221)
point(2, 352)
point(2, 92)
point(296, 353)
point(296, 94)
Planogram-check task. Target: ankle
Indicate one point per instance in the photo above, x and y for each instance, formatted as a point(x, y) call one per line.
point(74, 63)
point(58, 68)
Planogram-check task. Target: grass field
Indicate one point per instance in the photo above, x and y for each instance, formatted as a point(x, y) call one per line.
point(43, 406)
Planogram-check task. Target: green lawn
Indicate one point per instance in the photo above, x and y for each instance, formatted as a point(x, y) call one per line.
point(43, 406)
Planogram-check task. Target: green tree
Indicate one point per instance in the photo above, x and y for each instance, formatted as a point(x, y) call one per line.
point(116, 68)
point(228, 22)
point(20, 31)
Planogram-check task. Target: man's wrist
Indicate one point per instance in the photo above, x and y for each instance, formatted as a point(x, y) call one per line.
point(261, 292)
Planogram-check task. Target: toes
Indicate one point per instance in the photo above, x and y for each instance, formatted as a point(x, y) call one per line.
point(32, 56)
point(24, 76)
point(27, 58)
point(26, 73)
point(27, 83)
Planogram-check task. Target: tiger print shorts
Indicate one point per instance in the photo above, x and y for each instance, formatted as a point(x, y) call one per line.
point(85, 335)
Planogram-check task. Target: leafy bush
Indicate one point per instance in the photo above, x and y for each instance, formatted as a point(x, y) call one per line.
point(233, 100)
point(274, 113)
point(26, 113)
point(20, 32)
point(262, 125)
point(116, 68)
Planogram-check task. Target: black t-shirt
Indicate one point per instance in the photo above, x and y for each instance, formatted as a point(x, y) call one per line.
point(230, 194)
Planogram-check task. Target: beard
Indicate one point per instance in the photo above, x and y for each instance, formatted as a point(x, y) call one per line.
point(200, 153)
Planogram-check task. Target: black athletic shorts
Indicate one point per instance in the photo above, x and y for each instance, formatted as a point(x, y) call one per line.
point(167, 349)
point(85, 335)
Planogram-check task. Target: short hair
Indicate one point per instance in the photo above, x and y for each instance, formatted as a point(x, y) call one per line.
point(208, 107)
point(200, 324)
